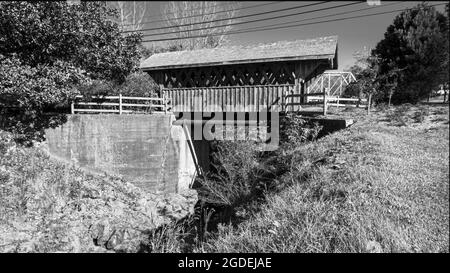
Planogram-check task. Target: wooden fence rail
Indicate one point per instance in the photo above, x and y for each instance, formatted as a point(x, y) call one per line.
point(143, 104)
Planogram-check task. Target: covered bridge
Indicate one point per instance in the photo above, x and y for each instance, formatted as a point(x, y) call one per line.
point(242, 79)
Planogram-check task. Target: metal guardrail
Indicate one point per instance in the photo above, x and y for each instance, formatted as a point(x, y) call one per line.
point(144, 104)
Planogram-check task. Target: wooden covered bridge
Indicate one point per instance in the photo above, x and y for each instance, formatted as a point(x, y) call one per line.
point(268, 77)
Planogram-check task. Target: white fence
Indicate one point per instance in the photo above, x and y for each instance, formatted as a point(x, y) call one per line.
point(119, 104)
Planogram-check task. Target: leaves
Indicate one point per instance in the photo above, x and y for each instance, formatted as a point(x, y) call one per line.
point(83, 34)
point(414, 54)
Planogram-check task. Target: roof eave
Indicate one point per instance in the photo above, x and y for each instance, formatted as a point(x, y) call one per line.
point(281, 59)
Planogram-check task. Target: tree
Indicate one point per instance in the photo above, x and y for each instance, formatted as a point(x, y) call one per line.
point(416, 46)
point(27, 92)
point(130, 14)
point(81, 34)
point(199, 13)
point(49, 49)
point(366, 73)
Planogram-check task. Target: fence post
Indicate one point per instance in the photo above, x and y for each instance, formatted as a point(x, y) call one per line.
point(359, 100)
point(165, 102)
point(120, 104)
point(72, 108)
point(368, 103)
point(324, 102)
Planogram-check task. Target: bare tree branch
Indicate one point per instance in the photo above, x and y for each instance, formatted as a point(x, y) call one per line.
point(175, 14)
point(131, 14)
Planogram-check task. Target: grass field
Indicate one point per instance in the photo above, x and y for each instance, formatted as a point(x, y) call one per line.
point(381, 185)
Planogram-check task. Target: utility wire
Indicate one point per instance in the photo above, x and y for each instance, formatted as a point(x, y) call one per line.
point(290, 26)
point(191, 16)
point(325, 16)
point(252, 21)
point(231, 18)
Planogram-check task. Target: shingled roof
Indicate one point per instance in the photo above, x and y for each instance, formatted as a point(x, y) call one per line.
point(317, 48)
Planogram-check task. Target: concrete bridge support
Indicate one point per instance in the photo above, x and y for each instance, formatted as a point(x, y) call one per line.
point(147, 150)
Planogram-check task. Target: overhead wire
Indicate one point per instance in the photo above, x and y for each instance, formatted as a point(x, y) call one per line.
point(283, 27)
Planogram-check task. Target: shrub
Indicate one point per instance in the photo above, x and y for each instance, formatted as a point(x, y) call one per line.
point(398, 115)
point(137, 84)
point(229, 182)
point(44, 32)
point(295, 130)
point(27, 92)
point(419, 116)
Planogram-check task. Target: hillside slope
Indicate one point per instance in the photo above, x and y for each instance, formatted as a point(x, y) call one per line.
point(50, 206)
point(381, 185)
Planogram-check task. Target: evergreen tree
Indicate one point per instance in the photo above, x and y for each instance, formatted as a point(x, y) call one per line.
point(416, 45)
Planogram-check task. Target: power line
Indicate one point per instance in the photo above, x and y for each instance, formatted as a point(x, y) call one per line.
point(249, 7)
point(252, 21)
point(290, 26)
point(325, 16)
point(232, 18)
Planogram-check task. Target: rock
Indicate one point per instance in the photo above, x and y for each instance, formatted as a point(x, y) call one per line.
point(95, 214)
point(374, 247)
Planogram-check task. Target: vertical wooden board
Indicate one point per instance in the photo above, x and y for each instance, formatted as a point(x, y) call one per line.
point(245, 94)
point(212, 99)
point(191, 100)
point(230, 94)
point(247, 98)
point(257, 102)
point(182, 99)
point(220, 99)
point(205, 99)
point(261, 98)
point(187, 100)
point(251, 97)
point(227, 99)
point(233, 94)
point(212, 106)
point(203, 96)
point(195, 99)
point(225, 92)
point(175, 99)
point(270, 98)
point(236, 99)
point(242, 99)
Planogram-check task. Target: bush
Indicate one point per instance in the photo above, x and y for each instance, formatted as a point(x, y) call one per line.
point(229, 183)
point(26, 93)
point(295, 130)
point(137, 84)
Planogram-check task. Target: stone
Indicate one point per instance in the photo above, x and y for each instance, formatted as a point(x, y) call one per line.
point(374, 247)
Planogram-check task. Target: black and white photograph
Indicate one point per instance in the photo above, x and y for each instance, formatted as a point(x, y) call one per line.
point(221, 134)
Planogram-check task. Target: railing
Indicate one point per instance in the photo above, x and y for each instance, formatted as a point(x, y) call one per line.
point(119, 104)
point(324, 101)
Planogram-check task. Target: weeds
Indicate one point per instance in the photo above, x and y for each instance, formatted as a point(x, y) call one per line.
point(419, 115)
point(369, 187)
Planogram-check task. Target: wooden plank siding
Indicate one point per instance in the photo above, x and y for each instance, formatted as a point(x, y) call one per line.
point(253, 98)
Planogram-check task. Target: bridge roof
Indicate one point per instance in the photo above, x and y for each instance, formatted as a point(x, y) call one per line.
point(317, 48)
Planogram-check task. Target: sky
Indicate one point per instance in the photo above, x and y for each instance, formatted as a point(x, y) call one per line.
point(353, 35)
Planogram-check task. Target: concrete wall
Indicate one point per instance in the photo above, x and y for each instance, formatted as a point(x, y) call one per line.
point(146, 150)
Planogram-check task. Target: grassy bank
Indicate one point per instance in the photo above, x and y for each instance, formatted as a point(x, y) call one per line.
point(381, 185)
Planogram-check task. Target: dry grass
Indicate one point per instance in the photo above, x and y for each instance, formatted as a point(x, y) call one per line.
point(375, 183)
